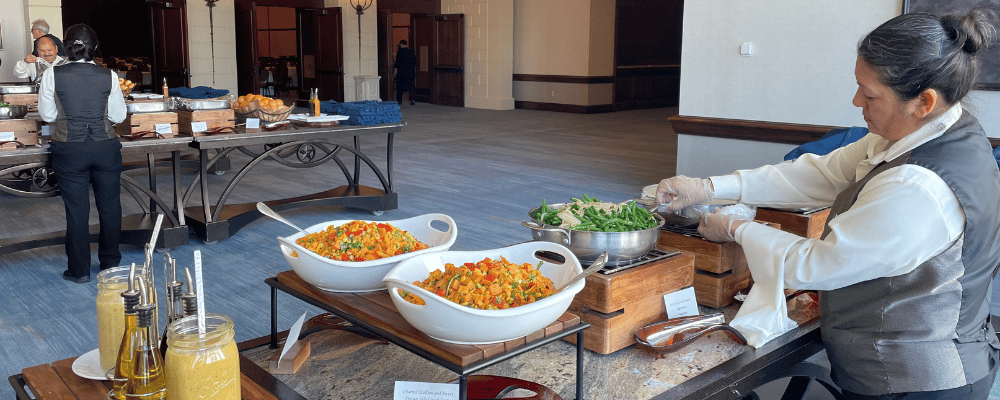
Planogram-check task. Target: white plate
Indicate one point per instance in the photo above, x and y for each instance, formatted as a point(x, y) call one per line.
point(89, 366)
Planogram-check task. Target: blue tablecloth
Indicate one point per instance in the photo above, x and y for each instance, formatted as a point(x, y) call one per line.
point(368, 112)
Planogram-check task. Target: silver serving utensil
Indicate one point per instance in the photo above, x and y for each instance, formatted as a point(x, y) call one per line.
point(596, 266)
point(264, 209)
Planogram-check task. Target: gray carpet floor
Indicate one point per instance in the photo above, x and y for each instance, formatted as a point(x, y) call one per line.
point(484, 168)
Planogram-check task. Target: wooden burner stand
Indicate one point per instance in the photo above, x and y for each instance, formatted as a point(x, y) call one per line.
point(617, 304)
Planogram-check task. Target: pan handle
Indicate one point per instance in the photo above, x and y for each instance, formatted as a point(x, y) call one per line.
point(534, 226)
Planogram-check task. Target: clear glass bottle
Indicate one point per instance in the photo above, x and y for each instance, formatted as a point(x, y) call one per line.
point(123, 368)
point(202, 366)
point(314, 102)
point(148, 380)
point(111, 313)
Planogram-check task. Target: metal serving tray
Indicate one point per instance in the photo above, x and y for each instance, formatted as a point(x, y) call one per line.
point(13, 112)
point(18, 89)
point(206, 104)
point(139, 107)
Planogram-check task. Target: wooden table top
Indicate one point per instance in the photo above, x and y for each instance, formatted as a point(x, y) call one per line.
point(377, 310)
point(57, 381)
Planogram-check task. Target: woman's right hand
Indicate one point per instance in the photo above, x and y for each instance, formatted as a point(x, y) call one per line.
point(680, 191)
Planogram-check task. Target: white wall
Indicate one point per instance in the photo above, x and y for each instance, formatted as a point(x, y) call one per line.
point(16, 40)
point(986, 106)
point(802, 71)
point(202, 35)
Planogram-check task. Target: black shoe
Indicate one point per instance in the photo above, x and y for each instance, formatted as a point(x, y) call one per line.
point(83, 279)
point(413, 103)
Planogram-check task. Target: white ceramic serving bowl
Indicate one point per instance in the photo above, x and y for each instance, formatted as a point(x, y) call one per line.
point(363, 276)
point(450, 322)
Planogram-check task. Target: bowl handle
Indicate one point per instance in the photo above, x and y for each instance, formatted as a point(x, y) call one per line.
point(443, 218)
point(400, 301)
point(534, 226)
point(285, 248)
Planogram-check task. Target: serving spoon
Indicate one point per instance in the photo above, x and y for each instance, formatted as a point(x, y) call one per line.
point(264, 209)
point(596, 266)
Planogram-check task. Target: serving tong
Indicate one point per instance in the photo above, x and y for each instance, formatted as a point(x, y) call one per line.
point(675, 333)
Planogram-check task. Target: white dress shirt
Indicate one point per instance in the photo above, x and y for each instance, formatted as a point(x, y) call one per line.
point(25, 70)
point(47, 93)
point(903, 217)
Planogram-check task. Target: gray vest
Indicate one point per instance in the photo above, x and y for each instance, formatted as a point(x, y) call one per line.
point(928, 329)
point(81, 97)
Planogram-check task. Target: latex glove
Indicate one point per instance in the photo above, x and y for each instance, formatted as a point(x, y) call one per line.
point(681, 191)
point(719, 226)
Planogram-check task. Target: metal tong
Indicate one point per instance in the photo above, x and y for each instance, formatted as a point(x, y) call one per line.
point(675, 333)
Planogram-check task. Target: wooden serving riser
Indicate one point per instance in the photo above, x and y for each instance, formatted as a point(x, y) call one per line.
point(378, 310)
point(213, 119)
point(26, 130)
point(806, 225)
point(146, 122)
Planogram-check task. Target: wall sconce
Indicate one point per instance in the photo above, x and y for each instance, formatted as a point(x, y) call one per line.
point(360, 6)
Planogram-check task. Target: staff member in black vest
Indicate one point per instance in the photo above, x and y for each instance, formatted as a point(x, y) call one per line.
point(82, 101)
point(911, 245)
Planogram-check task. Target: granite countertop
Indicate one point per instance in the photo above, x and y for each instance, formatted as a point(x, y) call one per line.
point(347, 366)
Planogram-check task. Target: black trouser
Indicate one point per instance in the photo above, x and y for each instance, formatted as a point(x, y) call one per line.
point(979, 390)
point(404, 84)
point(79, 165)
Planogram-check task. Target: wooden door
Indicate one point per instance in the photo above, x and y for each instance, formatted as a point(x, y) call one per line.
point(385, 53)
point(449, 60)
point(439, 44)
point(321, 50)
point(168, 20)
point(423, 48)
point(246, 40)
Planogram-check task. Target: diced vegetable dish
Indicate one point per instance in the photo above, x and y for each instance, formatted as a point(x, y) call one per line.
point(486, 285)
point(590, 214)
point(360, 241)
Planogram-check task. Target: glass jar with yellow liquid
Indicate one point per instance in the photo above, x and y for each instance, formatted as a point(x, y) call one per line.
point(111, 313)
point(202, 366)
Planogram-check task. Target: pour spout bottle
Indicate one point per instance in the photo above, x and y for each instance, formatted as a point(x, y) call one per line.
point(148, 380)
point(124, 364)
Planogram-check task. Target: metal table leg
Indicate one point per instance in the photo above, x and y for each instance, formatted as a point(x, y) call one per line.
point(463, 387)
point(274, 317)
point(579, 365)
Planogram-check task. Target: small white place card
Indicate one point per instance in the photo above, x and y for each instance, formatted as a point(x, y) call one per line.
point(46, 130)
point(253, 123)
point(293, 336)
point(406, 390)
point(199, 126)
point(164, 129)
point(8, 136)
point(681, 303)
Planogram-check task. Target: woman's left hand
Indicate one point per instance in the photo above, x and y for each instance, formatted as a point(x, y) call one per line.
point(721, 225)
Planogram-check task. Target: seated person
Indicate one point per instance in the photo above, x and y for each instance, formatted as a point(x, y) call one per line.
point(31, 67)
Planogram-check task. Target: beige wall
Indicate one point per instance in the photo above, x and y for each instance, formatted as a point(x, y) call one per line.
point(49, 10)
point(489, 43)
point(369, 45)
point(566, 38)
point(16, 21)
point(201, 37)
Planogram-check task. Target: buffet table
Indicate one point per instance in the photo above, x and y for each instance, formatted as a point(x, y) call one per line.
point(344, 364)
point(293, 147)
point(57, 381)
point(33, 179)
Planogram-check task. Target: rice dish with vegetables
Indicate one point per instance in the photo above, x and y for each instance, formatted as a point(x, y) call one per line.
point(590, 214)
point(360, 241)
point(486, 285)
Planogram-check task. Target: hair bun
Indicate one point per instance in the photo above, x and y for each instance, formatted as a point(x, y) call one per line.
point(975, 32)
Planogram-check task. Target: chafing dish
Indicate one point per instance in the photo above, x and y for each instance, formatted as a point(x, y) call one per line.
point(151, 106)
point(18, 89)
point(13, 111)
point(588, 245)
point(204, 104)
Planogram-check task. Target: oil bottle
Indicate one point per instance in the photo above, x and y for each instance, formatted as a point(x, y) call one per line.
point(148, 380)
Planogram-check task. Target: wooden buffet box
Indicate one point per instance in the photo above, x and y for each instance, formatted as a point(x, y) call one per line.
point(146, 122)
point(808, 225)
point(26, 130)
point(616, 305)
point(720, 269)
point(27, 99)
point(212, 118)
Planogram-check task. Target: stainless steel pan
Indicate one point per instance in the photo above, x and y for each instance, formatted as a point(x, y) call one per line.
point(587, 245)
point(18, 89)
point(13, 111)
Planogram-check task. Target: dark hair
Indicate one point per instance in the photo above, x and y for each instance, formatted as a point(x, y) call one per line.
point(915, 52)
point(402, 42)
point(80, 42)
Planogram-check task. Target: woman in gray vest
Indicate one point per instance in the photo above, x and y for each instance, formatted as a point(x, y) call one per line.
point(81, 101)
point(911, 245)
